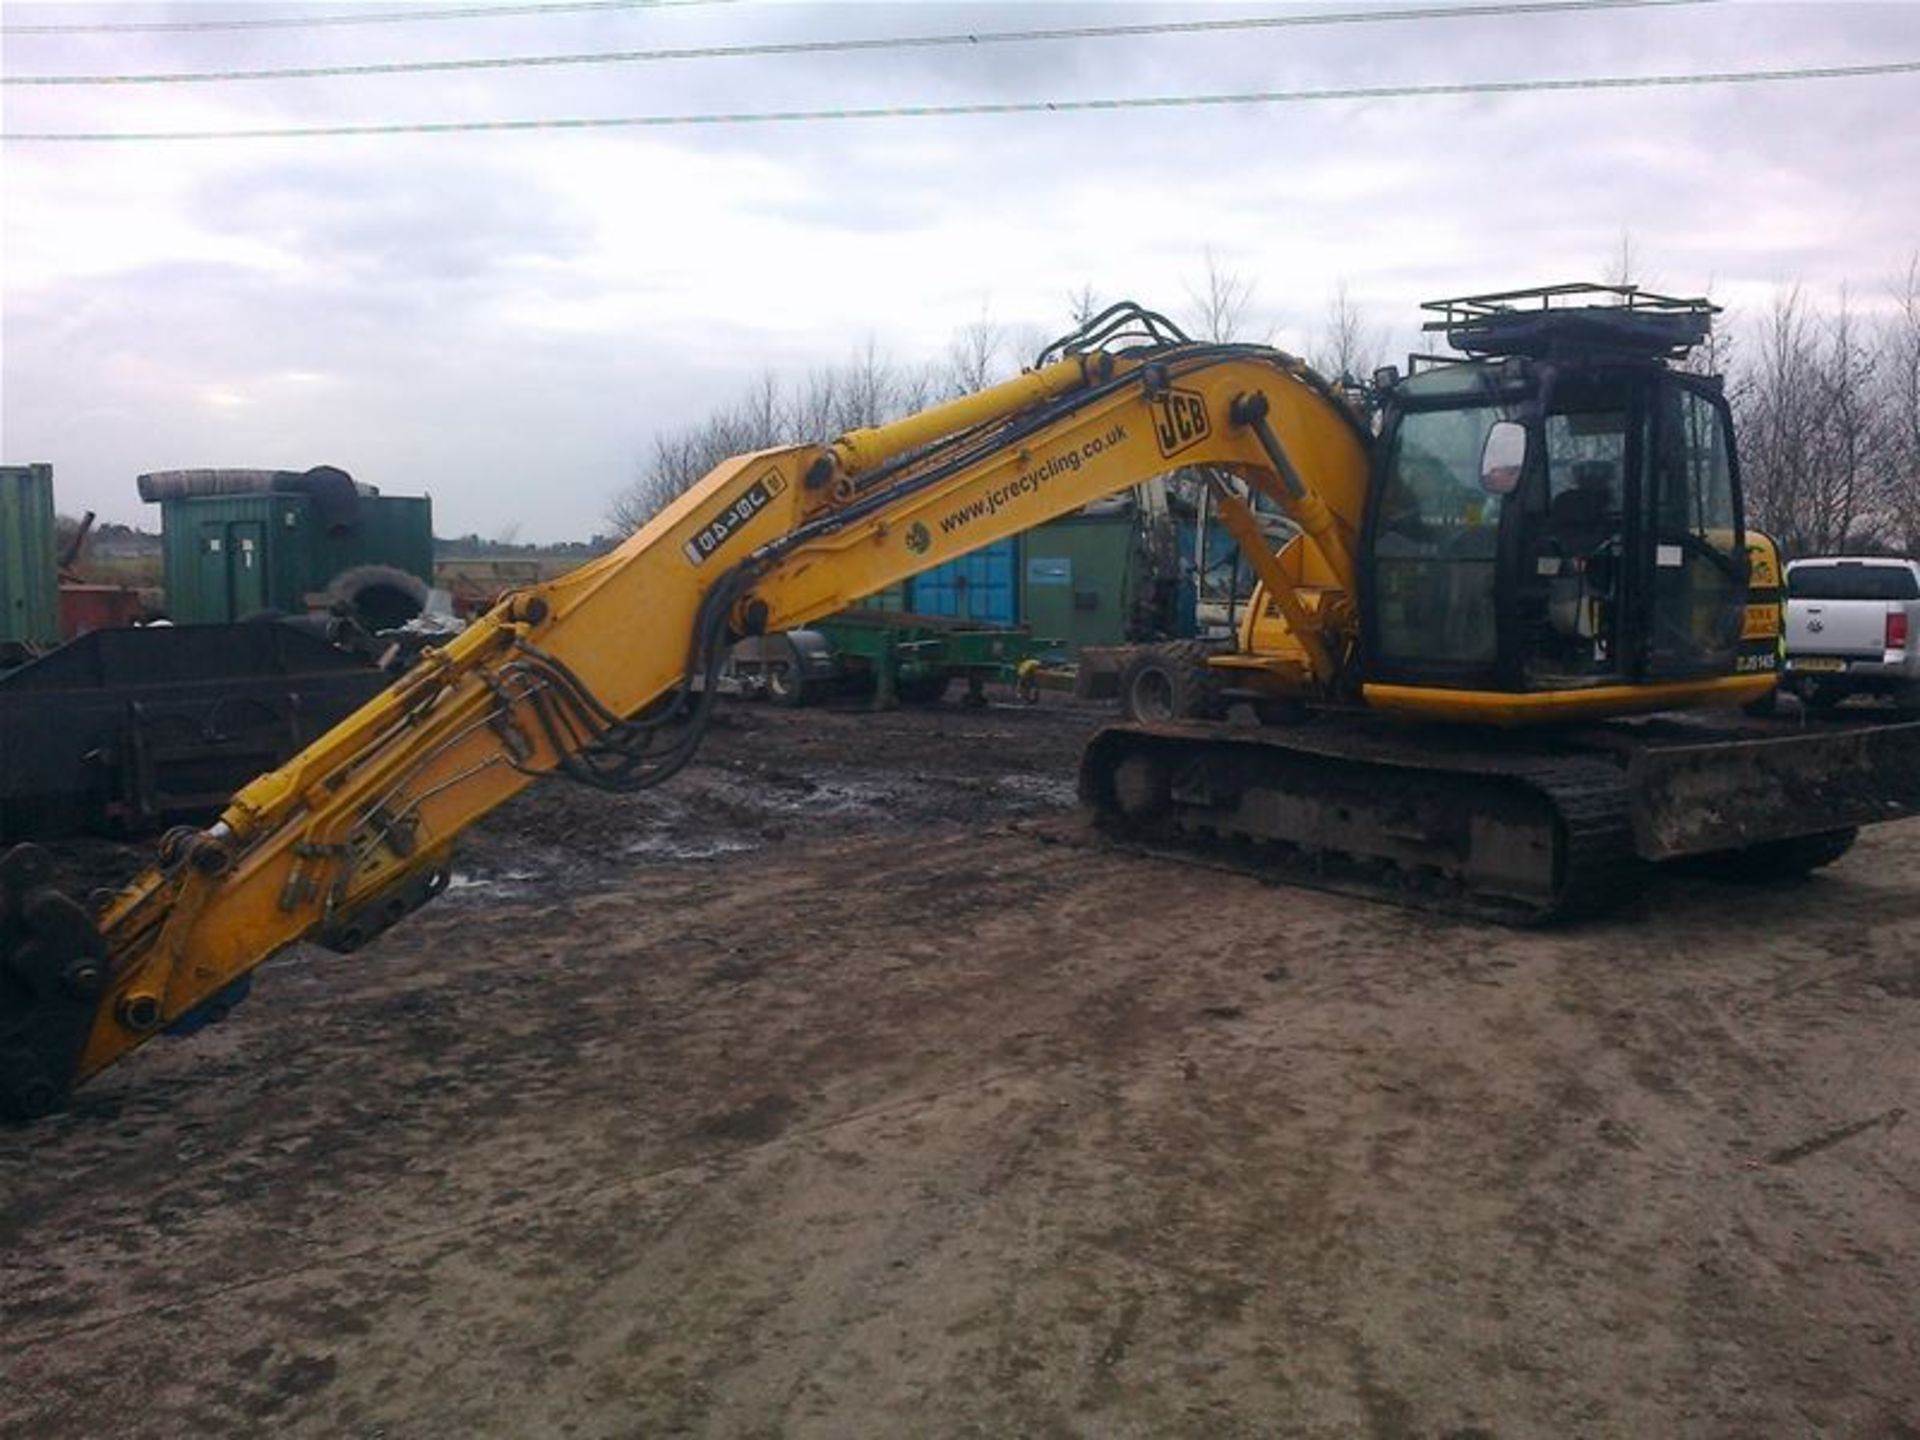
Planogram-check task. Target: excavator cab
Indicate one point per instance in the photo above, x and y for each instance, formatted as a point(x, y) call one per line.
point(1561, 509)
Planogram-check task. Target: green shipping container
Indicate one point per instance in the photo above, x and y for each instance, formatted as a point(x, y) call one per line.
point(29, 565)
point(231, 556)
point(1078, 580)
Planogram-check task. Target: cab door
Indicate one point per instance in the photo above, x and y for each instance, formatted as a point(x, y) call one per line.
point(1693, 554)
point(1572, 577)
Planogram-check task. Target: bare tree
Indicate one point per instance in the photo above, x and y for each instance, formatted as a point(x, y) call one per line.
point(868, 390)
point(762, 418)
point(1900, 391)
point(1814, 428)
point(1221, 305)
point(975, 356)
point(1083, 304)
point(1349, 348)
point(1624, 265)
point(1718, 353)
point(678, 460)
point(1028, 341)
point(817, 403)
point(1775, 415)
point(1851, 433)
point(916, 387)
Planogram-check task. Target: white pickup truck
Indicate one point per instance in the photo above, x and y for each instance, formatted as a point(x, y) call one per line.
point(1853, 628)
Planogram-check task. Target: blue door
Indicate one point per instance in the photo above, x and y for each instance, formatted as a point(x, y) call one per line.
point(982, 586)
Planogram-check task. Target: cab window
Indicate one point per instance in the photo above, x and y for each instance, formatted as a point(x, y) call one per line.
point(1436, 544)
point(1569, 587)
point(1699, 553)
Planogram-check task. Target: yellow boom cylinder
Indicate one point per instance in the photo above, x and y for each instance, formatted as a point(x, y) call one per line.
point(861, 450)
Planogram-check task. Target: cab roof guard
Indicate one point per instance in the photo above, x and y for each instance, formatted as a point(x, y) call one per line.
point(1574, 318)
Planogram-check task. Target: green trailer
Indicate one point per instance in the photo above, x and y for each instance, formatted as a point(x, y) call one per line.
point(29, 566)
point(896, 656)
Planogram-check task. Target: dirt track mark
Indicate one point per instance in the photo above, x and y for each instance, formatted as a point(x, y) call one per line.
point(1814, 1145)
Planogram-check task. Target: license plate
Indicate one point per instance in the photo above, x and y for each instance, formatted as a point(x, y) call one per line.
point(1818, 662)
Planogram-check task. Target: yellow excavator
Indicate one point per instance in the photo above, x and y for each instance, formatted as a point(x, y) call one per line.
point(1500, 663)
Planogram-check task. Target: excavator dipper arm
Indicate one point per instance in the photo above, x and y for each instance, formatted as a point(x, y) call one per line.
point(607, 675)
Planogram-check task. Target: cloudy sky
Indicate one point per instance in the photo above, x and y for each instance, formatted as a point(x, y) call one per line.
point(505, 320)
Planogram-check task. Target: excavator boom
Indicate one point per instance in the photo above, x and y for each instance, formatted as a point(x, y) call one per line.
point(607, 674)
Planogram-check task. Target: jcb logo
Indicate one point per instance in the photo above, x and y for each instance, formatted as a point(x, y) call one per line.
point(717, 531)
point(1179, 421)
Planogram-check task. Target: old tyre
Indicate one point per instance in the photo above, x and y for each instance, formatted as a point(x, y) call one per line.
point(380, 597)
point(1170, 682)
point(784, 685)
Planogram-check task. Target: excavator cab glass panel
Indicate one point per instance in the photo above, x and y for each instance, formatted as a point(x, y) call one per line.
point(1573, 573)
point(1436, 543)
point(1696, 560)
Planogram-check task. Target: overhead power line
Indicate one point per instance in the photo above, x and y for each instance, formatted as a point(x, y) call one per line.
point(846, 46)
point(352, 17)
point(1018, 107)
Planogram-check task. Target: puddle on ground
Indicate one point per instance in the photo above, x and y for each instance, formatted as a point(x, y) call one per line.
point(665, 847)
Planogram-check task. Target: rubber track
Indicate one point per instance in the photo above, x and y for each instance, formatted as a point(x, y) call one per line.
point(1587, 795)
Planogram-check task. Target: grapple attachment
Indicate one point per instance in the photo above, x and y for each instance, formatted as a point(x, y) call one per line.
point(53, 967)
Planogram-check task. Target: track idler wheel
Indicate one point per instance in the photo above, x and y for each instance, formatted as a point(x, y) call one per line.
point(53, 967)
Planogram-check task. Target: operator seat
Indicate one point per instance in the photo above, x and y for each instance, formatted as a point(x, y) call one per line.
point(1582, 521)
point(1588, 503)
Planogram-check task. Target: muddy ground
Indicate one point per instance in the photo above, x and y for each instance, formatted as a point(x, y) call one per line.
point(848, 1088)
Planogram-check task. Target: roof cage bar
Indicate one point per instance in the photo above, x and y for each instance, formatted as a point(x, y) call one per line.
point(1466, 308)
point(1578, 318)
